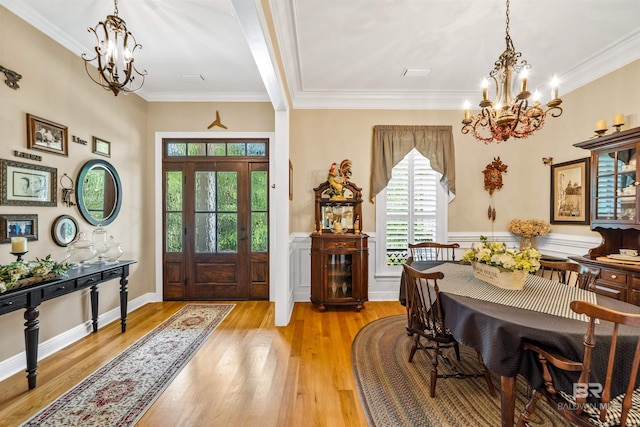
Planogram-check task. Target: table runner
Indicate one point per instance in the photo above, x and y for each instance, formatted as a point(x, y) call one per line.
point(539, 294)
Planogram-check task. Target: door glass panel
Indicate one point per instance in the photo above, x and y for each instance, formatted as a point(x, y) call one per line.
point(217, 149)
point(173, 214)
point(174, 232)
point(259, 199)
point(216, 206)
point(197, 149)
point(259, 191)
point(176, 149)
point(259, 232)
point(174, 191)
point(227, 232)
point(236, 149)
point(256, 149)
point(205, 191)
point(205, 238)
point(227, 191)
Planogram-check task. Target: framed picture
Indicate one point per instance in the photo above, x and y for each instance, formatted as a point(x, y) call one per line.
point(290, 180)
point(570, 192)
point(45, 135)
point(18, 226)
point(26, 184)
point(102, 147)
point(64, 230)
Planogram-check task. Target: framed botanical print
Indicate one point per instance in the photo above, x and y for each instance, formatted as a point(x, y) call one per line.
point(26, 184)
point(570, 192)
point(45, 135)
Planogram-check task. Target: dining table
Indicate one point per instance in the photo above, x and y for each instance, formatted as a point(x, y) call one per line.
point(498, 321)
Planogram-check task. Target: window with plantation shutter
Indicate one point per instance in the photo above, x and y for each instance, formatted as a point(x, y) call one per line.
point(412, 208)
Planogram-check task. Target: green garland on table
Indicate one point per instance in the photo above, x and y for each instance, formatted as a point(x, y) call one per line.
point(12, 273)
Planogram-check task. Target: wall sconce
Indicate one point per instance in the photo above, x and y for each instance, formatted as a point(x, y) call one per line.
point(67, 192)
point(12, 78)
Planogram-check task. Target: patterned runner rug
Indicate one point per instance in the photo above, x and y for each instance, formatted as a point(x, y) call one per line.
point(395, 392)
point(119, 393)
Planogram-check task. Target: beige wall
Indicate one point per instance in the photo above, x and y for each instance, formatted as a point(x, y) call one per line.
point(55, 86)
point(320, 137)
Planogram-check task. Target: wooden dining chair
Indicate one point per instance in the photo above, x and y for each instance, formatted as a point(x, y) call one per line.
point(433, 251)
point(426, 321)
point(617, 411)
point(570, 273)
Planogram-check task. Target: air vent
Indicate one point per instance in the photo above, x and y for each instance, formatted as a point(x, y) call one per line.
point(416, 72)
point(191, 77)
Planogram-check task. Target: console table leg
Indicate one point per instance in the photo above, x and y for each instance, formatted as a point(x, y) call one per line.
point(94, 307)
point(31, 333)
point(124, 295)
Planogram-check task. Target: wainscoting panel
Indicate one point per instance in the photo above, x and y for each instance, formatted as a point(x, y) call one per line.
point(385, 287)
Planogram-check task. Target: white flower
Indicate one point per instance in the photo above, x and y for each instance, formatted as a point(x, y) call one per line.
point(498, 255)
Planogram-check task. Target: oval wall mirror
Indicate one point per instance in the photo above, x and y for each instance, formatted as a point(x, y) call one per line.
point(98, 192)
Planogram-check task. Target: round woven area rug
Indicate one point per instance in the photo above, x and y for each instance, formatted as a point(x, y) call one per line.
point(395, 392)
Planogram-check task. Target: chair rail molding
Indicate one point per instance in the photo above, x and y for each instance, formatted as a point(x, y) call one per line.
point(386, 287)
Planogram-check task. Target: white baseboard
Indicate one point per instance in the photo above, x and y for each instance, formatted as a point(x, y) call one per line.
point(17, 363)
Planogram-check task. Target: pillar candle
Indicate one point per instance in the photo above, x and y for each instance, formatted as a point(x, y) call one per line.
point(18, 244)
point(485, 89)
point(601, 124)
point(523, 80)
point(618, 119)
point(555, 82)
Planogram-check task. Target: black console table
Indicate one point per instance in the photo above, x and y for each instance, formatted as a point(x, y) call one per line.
point(30, 297)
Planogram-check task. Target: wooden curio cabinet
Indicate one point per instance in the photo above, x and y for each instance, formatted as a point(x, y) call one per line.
point(339, 251)
point(614, 213)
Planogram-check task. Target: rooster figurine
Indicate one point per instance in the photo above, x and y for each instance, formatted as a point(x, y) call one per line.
point(337, 178)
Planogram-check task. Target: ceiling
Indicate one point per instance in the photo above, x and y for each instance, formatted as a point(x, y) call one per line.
point(352, 54)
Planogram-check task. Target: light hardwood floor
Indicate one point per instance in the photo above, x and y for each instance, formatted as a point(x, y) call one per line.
point(248, 373)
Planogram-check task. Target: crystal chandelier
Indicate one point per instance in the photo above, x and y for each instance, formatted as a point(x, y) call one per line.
point(508, 116)
point(114, 53)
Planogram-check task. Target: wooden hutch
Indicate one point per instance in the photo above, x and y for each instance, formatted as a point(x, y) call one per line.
point(615, 213)
point(339, 251)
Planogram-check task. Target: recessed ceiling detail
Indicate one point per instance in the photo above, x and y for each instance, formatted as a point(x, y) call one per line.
point(335, 56)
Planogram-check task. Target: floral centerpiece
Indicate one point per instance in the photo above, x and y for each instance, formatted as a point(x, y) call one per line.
point(495, 263)
point(18, 272)
point(528, 229)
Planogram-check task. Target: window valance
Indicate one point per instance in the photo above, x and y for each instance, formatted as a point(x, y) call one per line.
point(392, 142)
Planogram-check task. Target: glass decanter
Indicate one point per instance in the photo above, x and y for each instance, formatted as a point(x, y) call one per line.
point(113, 252)
point(100, 242)
point(80, 251)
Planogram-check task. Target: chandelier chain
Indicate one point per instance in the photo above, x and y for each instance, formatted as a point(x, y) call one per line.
point(507, 20)
point(115, 7)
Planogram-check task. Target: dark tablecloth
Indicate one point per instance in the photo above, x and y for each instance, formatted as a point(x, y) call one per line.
point(498, 331)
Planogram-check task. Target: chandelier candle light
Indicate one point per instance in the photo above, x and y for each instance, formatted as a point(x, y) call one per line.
point(114, 53)
point(508, 116)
